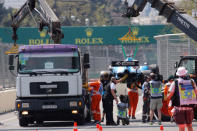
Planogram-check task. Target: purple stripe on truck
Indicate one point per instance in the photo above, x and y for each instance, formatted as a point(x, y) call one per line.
point(47, 48)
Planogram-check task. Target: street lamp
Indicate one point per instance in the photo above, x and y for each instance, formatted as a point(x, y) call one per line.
point(194, 11)
point(87, 22)
point(73, 18)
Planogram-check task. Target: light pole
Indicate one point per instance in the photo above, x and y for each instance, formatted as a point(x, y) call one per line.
point(194, 11)
point(87, 22)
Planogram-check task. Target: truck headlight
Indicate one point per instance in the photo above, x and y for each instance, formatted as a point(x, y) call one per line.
point(25, 113)
point(74, 111)
point(25, 105)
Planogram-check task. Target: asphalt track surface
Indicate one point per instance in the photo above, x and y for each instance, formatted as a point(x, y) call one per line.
point(10, 123)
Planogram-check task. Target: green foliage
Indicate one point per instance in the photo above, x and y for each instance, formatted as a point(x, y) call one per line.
point(99, 12)
point(5, 16)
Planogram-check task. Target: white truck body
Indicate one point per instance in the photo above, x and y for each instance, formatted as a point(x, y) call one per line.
point(49, 80)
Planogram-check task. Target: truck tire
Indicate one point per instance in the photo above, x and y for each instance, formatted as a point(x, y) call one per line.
point(88, 113)
point(81, 120)
point(88, 118)
point(88, 108)
point(39, 122)
point(23, 122)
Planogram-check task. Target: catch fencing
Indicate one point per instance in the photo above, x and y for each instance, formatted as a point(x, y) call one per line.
point(100, 58)
point(7, 80)
point(169, 49)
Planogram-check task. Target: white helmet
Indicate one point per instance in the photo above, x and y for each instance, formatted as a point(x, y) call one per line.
point(181, 71)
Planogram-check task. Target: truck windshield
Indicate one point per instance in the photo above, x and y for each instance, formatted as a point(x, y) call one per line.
point(189, 64)
point(49, 62)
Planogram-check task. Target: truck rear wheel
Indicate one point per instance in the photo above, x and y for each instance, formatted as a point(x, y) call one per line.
point(23, 122)
point(87, 110)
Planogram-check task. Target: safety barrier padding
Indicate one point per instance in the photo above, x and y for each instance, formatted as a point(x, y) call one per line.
point(7, 100)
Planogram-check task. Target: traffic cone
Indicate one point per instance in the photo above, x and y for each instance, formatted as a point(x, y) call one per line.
point(97, 126)
point(75, 124)
point(75, 127)
point(161, 128)
point(100, 128)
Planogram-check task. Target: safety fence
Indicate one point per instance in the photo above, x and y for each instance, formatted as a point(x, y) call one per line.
point(100, 58)
point(7, 80)
point(169, 49)
point(7, 100)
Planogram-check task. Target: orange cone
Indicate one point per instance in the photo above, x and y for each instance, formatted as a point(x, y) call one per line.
point(100, 128)
point(161, 128)
point(97, 126)
point(75, 127)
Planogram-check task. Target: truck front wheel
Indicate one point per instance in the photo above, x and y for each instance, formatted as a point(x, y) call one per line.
point(23, 122)
point(39, 122)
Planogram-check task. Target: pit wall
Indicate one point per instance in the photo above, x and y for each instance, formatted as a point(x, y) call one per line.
point(7, 100)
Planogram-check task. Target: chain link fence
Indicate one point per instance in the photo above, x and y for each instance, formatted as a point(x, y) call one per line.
point(7, 80)
point(100, 58)
point(169, 49)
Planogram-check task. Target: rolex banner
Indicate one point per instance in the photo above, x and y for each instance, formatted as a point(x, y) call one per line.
point(106, 35)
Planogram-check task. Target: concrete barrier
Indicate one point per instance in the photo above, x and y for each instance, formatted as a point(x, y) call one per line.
point(7, 100)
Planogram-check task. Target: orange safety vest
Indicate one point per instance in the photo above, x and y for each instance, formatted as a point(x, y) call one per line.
point(134, 87)
point(96, 87)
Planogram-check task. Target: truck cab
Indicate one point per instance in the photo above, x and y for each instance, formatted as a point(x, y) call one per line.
point(49, 84)
point(190, 63)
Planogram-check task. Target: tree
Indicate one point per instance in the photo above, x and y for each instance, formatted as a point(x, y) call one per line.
point(4, 15)
point(99, 12)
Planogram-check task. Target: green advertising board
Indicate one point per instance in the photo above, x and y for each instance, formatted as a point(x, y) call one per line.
point(107, 35)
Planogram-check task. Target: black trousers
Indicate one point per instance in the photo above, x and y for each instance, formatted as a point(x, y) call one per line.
point(108, 108)
point(146, 110)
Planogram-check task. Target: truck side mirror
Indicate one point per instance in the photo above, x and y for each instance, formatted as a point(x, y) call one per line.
point(11, 59)
point(11, 62)
point(11, 67)
point(176, 65)
point(87, 65)
point(86, 61)
point(86, 58)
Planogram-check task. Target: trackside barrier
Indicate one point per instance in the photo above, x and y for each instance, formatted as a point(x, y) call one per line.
point(161, 128)
point(75, 127)
point(7, 100)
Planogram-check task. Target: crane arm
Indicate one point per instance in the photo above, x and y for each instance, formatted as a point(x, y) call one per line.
point(167, 9)
point(46, 14)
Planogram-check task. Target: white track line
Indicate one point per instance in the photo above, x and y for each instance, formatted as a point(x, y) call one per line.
point(9, 119)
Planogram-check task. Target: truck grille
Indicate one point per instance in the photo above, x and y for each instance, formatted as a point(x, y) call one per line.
point(37, 88)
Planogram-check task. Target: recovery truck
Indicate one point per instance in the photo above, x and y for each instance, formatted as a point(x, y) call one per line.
point(49, 76)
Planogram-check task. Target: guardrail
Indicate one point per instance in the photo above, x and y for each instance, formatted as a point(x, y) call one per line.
point(7, 100)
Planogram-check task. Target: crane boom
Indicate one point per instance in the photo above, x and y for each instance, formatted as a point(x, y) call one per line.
point(167, 9)
point(46, 14)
